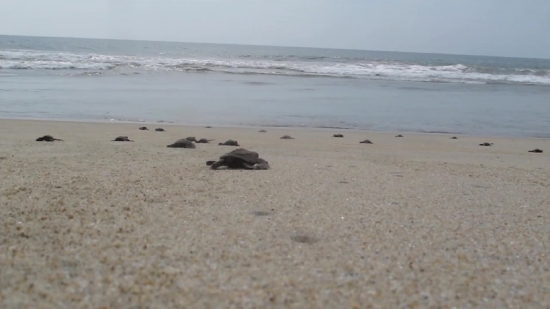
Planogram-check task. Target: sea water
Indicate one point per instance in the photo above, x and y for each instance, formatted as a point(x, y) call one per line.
point(214, 84)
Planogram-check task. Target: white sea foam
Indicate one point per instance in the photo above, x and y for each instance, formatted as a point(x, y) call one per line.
point(26, 59)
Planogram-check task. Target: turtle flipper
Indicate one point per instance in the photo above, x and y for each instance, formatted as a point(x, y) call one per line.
point(210, 162)
point(247, 166)
point(217, 164)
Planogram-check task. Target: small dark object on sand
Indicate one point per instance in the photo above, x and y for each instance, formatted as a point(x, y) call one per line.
point(182, 143)
point(229, 142)
point(143, 128)
point(48, 138)
point(304, 239)
point(262, 131)
point(159, 130)
point(399, 135)
point(286, 137)
point(454, 137)
point(208, 127)
point(260, 213)
point(536, 150)
point(240, 159)
point(338, 135)
point(486, 144)
point(203, 140)
point(365, 142)
point(122, 139)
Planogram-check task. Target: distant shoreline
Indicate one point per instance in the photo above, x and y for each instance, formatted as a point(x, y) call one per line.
point(271, 127)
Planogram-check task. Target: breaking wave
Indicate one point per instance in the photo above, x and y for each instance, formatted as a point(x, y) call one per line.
point(289, 66)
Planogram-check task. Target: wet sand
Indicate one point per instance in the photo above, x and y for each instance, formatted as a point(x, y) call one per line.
point(420, 221)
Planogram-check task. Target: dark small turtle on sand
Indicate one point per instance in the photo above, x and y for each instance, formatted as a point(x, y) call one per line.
point(240, 159)
point(203, 140)
point(48, 138)
point(122, 139)
point(208, 127)
point(159, 130)
point(486, 144)
point(338, 135)
point(536, 150)
point(262, 131)
point(286, 137)
point(182, 143)
point(143, 128)
point(399, 135)
point(229, 142)
point(365, 142)
point(454, 137)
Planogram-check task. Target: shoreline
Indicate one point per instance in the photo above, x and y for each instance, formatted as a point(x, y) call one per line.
point(281, 127)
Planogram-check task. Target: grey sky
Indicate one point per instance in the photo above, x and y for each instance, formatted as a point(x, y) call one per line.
point(487, 27)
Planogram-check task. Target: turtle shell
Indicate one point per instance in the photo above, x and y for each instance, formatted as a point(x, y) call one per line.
point(182, 143)
point(241, 154)
point(229, 142)
point(122, 139)
point(47, 138)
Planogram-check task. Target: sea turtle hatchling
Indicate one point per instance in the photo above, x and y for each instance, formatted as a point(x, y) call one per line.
point(454, 137)
point(536, 150)
point(287, 137)
point(399, 135)
point(486, 144)
point(338, 135)
point(229, 142)
point(48, 138)
point(143, 128)
point(203, 140)
point(160, 130)
point(240, 159)
point(182, 143)
point(365, 142)
point(122, 139)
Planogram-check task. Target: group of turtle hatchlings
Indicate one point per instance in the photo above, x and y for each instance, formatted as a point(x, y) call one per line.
point(236, 159)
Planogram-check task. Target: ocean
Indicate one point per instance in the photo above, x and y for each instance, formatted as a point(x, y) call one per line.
point(238, 85)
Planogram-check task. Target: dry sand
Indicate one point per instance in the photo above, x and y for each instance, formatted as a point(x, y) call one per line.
point(421, 221)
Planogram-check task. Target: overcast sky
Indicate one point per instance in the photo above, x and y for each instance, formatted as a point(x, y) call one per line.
point(481, 27)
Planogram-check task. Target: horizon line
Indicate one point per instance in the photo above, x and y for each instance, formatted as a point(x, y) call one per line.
point(281, 46)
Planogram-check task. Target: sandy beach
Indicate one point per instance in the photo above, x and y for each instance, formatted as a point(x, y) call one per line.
point(422, 221)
